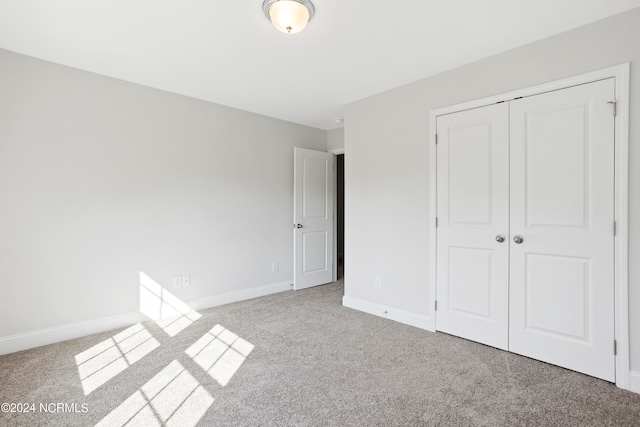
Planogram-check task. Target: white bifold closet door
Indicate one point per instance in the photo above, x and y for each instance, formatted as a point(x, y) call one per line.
point(562, 204)
point(558, 250)
point(473, 208)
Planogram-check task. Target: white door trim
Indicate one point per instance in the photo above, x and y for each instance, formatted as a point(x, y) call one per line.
point(621, 285)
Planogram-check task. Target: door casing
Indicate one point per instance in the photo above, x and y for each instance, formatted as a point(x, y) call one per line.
point(621, 125)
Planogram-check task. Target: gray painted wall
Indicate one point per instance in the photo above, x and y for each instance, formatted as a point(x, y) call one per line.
point(386, 169)
point(335, 139)
point(101, 179)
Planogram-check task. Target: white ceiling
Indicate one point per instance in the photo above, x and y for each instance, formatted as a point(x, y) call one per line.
point(227, 52)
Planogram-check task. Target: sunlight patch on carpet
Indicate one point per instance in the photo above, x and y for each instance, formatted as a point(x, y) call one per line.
point(220, 353)
point(173, 397)
point(105, 360)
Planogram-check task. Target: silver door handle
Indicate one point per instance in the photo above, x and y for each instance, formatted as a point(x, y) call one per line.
point(518, 239)
point(298, 225)
point(499, 238)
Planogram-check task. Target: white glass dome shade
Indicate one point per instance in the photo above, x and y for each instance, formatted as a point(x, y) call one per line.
point(289, 16)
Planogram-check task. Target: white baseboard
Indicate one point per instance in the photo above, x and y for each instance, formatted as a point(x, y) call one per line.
point(411, 319)
point(634, 381)
point(245, 294)
point(31, 339)
point(26, 340)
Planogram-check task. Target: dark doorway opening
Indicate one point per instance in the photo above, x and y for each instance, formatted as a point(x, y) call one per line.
point(340, 214)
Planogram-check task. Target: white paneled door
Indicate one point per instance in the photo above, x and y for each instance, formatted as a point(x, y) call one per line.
point(562, 206)
point(473, 211)
point(538, 171)
point(313, 189)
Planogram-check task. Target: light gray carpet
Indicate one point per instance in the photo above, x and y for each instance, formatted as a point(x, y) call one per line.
point(309, 362)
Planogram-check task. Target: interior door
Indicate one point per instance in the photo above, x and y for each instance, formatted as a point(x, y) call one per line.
point(473, 224)
point(562, 213)
point(313, 189)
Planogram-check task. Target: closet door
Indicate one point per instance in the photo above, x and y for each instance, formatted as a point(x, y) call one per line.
point(562, 242)
point(473, 214)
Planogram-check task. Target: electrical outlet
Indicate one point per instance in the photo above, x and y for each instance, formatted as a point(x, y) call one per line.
point(377, 282)
point(177, 282)
point(275, 266)
point(186, 281)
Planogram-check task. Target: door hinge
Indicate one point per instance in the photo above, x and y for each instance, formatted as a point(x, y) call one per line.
point(436, 305)
point(436, 222)
point(614, 103)
point(436, 139)
point(615, 347)
point(615, 227)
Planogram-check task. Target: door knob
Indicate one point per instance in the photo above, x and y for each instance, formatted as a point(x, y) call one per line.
point(499, 238)
point(298, 225)
point(518, 239)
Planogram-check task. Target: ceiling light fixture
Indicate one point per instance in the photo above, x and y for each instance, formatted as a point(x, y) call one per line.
point(289, 16)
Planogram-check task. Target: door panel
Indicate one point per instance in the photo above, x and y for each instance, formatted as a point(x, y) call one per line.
point(314, 188)
point(551, 201)
point(313, 218)
point(470, 300)
point(562, 204)
point(473, 208)
point(556, 295)
point(314, 251)
point(470, 147)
